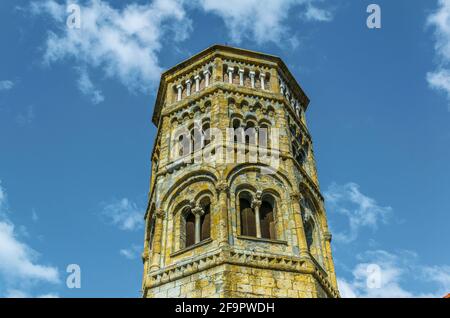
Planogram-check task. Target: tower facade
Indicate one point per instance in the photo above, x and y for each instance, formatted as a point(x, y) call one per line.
point(235, 208)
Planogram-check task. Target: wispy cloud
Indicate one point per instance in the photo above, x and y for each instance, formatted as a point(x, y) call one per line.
point(16, 293)
point(124, 214)
point(18, 261)
point(382, 274)
point(359, 209)
point(26, 118)
point(132, 252)
point(123, 43)
point(6, 85)
point(86, 86)
point(314, 13)
point(262, 20)
point(439, 20)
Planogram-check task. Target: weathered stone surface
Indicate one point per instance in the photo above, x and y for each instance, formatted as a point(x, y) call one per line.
point(295, 261)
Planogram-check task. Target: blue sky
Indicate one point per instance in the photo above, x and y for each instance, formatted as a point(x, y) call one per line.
point(76, 135)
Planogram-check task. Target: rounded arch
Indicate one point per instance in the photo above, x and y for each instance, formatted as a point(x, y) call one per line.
point(251, 167)
point(207, 174)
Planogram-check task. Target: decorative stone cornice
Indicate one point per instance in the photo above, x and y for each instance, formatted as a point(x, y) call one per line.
point(234, 256)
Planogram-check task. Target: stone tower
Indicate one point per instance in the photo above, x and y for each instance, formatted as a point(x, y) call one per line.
point(220, 223)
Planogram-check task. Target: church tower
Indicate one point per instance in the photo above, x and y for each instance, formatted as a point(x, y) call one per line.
point(235, 208)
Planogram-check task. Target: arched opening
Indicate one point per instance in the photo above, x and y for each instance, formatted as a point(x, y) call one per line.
point(205, 220)
point(248, 224)
point(206, 133)
point(309, 234)
point(267, 219)
point(263, 134)
point(189, 228)
point(152, 233)
point(196, 139)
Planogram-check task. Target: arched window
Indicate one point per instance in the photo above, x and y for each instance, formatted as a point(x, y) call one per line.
point(206, 133)
point(263, 133)
point(196, 139)
point(312, 231)
point(189, 228)
point(205, 220)
point(248, 222)
point(309, 234)
point(183, 145)
point(267, 220)
point(152, 233)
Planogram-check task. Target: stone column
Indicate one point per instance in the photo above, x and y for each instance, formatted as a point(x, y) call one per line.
point(230, 71)
point(282, 86)
point(179, 91)
point(252, 78)
point(198, 212)
point(298, 220)
point(262, 78)
point(256, 205)
point(197, 83)
point(332, 274)
point(157, 239)
point(274, 84)
point(188, 87)
point(207, 73)
point(241, 77)
point(222, 189)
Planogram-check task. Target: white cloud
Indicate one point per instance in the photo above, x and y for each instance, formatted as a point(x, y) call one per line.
point(18, 260)
point(123, 43)
point(316, 14)
point(395, 271)
point(87, 88)
point(6, 85)
point(360, 210)
point(260, 20)
point(440, 21)
point(16, 293)
point(132, 252)
point(124, 214)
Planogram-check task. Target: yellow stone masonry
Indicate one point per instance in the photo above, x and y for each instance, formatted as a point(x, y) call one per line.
point(220, 228)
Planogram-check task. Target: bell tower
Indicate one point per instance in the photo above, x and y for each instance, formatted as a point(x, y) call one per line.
point(235, 208)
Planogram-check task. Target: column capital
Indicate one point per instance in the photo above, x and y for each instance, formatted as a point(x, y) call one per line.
point(197, 77)
point(188, 81)
point(241, 70)
point(252, 73)
point(222, 187)
point(197, 211)
point(262, 75)
point(206, 72)
point(328, 236)
point(297, 196)
point(179, 86)
point(230, 69)
point(160, 214)
point(256, 203)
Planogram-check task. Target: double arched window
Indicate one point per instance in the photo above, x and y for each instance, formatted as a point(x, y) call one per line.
point(257, 215)
point(312, 229)
point(187, 141)
point(196, 223)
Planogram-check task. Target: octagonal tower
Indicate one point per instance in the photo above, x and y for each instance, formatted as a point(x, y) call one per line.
point(220, 225)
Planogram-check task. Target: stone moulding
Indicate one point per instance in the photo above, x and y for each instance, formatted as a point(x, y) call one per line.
point(233, 256)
